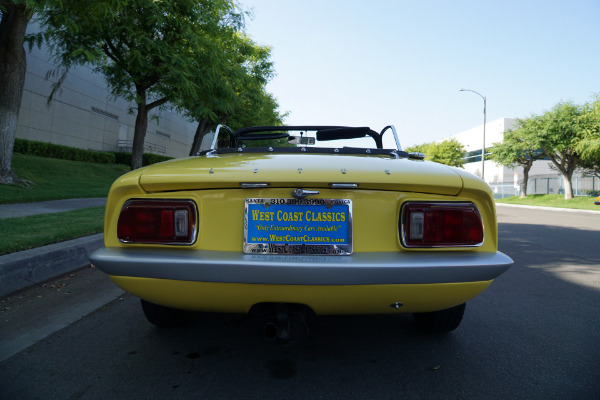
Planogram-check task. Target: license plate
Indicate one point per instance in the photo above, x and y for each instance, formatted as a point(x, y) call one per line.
point(298, 226)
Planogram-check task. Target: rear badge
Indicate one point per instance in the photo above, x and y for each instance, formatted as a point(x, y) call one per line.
point(301, 193)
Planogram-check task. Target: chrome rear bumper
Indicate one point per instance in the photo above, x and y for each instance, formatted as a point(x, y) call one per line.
point(357, 269)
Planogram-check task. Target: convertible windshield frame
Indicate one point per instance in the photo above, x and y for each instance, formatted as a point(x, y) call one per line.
point(234, 140)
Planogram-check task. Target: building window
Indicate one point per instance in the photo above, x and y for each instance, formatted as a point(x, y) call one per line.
point(105, 113)
point(475, 155)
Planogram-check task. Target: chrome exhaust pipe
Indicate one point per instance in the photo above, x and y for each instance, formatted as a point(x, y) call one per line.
point(283, 323)
point(270, 331)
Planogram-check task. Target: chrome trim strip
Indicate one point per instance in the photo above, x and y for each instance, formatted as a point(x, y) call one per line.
point(244, 185)
point(343, 185)
point(358, 269)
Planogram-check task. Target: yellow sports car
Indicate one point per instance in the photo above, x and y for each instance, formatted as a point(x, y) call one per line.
point(276, 221)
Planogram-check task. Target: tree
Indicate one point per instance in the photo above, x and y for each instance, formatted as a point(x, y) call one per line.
point(590, 168)
point(246, 79)
point(419, 148)
point(151, 52)
point(561, 129)
point(449, 152)
point(258, 109)
point(13, 65)
point(588, 146)
point(520, 147)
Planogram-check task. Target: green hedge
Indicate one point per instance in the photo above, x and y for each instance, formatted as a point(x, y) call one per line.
point(147, 158)
point(43, 149)
point(122, 157)
point(50, 150)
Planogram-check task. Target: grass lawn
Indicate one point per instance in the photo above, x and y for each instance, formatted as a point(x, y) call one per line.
point(54, 179)
point(17, 234)
point(553, 200)
point(59, 179)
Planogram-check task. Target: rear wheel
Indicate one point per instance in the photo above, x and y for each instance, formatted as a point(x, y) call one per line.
point(165, 316)
point(440, 321)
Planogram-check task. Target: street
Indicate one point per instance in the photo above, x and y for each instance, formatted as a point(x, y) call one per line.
point(534, 334)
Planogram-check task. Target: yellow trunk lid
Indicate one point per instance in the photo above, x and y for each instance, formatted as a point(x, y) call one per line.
point(301, 170)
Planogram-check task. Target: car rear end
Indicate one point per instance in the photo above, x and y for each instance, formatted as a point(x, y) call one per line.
point(333, 233)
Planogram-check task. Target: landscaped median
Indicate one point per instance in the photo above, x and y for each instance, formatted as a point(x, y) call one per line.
point(39, 247)
point(18, 234)
point(53, 179)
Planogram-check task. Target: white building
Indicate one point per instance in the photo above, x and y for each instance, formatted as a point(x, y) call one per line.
point(472, 139)
point(505, 181)
point(84, 114)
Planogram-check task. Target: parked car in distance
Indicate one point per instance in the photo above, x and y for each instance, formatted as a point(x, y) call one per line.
point(288, 222)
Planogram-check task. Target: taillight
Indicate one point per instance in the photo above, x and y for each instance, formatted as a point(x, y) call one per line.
point(440, 225)
point(157, 221)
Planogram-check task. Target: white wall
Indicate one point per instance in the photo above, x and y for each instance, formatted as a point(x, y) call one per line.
point(84, 114)
point(472, 139)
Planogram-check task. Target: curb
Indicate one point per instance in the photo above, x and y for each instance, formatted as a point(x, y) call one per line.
point(25, 268)
point(571, 210)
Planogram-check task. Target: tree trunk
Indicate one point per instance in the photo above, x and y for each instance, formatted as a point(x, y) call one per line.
point(566, 163)
point(567, 177)
point(139, 134)
point(526, 169)
point(13, 66)
point(203, 128)
point(141, 126)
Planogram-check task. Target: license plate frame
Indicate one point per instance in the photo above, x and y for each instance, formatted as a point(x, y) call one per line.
point(298, 226)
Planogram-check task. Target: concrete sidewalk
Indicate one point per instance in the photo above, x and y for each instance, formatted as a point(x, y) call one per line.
point(25, 268)
point(48, 207)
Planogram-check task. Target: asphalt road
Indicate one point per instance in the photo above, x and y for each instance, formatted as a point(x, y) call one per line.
point(534, 334)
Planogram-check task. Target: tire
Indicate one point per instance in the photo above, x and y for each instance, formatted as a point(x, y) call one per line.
point(440, 321)
point(165, 316)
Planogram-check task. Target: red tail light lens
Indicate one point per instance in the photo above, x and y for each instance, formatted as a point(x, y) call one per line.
point(440, 225)
point(157, 221)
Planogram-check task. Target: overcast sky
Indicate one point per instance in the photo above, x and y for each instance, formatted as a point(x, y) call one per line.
point(380, 62)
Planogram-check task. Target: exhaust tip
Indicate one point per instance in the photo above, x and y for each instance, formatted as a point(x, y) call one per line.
point(282, 323)
point(270, 331)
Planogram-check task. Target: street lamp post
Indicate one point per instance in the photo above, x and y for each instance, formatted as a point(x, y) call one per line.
point(483, 146)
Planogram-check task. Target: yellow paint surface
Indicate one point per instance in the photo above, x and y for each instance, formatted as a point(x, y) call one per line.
point(322, 299)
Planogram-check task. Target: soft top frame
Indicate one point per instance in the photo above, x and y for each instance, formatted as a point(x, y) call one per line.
point(323, 133)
